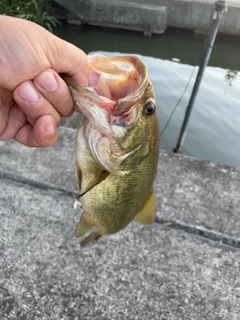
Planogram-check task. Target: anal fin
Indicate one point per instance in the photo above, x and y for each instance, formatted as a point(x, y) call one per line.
point(148, 212)
point(84, 225)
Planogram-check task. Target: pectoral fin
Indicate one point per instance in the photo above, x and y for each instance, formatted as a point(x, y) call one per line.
point(148, 212)
point(95, 181)
point(79, 175)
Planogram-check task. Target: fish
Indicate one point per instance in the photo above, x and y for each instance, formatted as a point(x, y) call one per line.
point(117, 145)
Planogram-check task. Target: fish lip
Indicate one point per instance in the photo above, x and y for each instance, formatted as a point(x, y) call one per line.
point(111, 108)
point(124, 104)
point(122, 107)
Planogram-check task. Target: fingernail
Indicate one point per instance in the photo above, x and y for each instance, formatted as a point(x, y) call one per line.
point(47, 81)
point(28, 93)
point(50, 128)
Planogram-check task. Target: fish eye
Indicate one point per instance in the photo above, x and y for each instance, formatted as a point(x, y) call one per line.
point(149, 107)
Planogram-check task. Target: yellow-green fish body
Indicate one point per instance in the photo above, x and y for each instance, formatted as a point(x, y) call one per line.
point(117, 146)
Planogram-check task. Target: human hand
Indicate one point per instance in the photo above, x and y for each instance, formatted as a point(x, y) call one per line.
point(33, 97)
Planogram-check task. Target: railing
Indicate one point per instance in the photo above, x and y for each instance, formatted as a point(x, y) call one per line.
point(219, 8)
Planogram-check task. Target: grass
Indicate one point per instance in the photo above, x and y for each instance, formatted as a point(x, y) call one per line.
point(37, 11)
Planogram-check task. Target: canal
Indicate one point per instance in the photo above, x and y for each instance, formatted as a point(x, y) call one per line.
point(172, 60)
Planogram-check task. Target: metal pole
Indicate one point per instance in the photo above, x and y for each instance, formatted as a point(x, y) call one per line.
point(219, 7)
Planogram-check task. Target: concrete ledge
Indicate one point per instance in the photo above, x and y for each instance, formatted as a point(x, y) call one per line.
point(148, 18)
point(128, 15)
point(196, 15)
point(154, 16)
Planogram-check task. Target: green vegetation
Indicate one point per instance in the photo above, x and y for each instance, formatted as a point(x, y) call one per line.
point(33, 10)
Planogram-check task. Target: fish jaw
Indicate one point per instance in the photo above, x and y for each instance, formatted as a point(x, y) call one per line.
point(103, 132)
point(115, 86)
point(127, 145)
point(112, 106)
point(97, 113)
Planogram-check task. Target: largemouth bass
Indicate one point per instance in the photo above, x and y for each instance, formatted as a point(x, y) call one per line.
point(117, 145)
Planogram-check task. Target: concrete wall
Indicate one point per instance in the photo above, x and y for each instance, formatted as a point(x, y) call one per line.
point(153, 16)
point(196, 14)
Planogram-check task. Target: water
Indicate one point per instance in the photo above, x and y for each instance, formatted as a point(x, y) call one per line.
point(214, 127)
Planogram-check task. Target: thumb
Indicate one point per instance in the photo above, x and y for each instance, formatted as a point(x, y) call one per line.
point(69, 59)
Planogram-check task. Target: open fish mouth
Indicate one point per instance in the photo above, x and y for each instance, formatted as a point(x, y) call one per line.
point(119, 79)
point(115, 84)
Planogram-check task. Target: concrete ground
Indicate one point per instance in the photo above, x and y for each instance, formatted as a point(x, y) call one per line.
point(184, 266)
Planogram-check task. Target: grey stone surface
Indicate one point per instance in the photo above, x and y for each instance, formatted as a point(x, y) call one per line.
point(199, 192)
point(196, 192)
point(143, 272)
point(72, 122)
point(154, 14)
point(53, 165)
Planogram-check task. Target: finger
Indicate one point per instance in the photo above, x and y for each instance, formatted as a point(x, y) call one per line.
point(33, 103)
point(16, 120)
point(42, 134)
point(56, 91)
point(6, 101)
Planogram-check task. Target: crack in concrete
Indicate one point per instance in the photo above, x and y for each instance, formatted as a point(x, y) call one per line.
point(200, 231)
point(39, 185)
point(173, 224)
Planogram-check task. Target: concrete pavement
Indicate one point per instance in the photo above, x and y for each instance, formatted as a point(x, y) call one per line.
point(142, 272)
